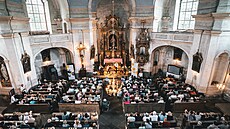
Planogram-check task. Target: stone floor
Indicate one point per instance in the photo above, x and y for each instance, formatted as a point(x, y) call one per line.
point(114, 117)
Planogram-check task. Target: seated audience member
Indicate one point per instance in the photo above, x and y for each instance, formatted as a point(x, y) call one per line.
point(86, 116)
point(22, 89)
point(153, 116)
point(24, 125)
point(199, 125)
point(26, 116)
point(224, 125)
point(213, 126)
point(146, 116)
point(198, 116)
point(162, 116)
point(65, 98)
point(142, 126)
point(94, 116)
point(13, 99)
point(86, 124)
point(131, 118)
point(77, 124)
point(49, 124)
point(126, 101)
point(31, 119)
point(139, 117)
point(169, 116)
point(65, 124)
point(161, 100)
point(54, 117)
point(71, 117)
point(65, 116)
point(148, 124)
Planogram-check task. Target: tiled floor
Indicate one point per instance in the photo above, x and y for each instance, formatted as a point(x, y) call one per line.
point(114, 118)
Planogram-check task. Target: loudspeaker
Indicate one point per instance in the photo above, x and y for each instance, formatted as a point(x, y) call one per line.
point(197, 61)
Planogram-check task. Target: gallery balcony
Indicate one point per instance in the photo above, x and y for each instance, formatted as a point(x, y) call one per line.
point(50, 39)
point(185, 37)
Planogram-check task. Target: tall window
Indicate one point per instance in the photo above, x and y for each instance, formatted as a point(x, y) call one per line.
point(36, 13)
point(187, 9)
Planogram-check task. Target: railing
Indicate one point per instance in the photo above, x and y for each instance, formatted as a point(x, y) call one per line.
point(53, 38)
point(173, 36)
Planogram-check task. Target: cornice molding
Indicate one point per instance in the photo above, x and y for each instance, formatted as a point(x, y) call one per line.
point(13, 18)
point(221, 15)
point(78, 19)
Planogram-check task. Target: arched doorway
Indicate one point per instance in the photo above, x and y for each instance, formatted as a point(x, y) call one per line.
point(4, 75)
point(164, 56)
point(51, 62)
point(221, 72)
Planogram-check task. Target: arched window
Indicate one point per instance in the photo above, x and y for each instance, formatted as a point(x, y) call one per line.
point(187, 9)
point(38, 12)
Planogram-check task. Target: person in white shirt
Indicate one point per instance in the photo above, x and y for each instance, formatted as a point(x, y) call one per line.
point(154, 116)
point(83, 90)
point(31, 119)
point(161, 100)
point(13, 99)
point(26, 116)
point(77, 124)
point(54, 117)
point(146, 116)
point(131, 118)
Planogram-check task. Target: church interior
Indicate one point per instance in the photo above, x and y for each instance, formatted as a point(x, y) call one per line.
point(115, 64)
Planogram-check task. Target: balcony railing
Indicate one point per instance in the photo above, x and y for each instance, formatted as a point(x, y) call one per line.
point(173, 36)
point(53, 38)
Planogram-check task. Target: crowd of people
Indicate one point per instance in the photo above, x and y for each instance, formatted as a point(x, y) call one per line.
point(168, 90)
point(18, 120)
point(86, 90)
point(76, 120)
point(209, 120)
point(150, 120)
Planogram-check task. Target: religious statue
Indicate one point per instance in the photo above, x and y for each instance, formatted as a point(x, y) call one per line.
point(4, 73)
point(142, 50)
point(112, 43)
point(26, 62)
point(92, 52)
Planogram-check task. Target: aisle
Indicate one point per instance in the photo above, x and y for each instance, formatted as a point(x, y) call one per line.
point(114, 118)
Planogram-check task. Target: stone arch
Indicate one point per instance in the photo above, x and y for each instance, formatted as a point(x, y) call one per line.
point(58, 57)
point(168, 59)
point(64, 8)
point(221, 68)
point(72, 53)
point(172, 45)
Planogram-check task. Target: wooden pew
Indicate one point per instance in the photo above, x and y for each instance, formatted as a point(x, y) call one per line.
point(179, 107)
point(42, 108)
point(79, 107)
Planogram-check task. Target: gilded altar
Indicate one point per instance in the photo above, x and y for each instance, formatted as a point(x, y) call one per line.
point(112, 44)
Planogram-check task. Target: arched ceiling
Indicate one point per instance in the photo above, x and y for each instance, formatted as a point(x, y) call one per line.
point(83, 8)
